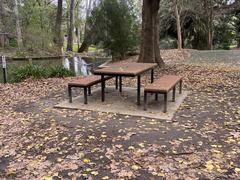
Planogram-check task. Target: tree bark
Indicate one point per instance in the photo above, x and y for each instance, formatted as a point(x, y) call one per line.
point(18, 27)
point(150, 51)
point(210, 25)
point(71, 27)
point(208, 7)
point(85, 43)
point(58, 38)
point(178, 22)
point(2, 29)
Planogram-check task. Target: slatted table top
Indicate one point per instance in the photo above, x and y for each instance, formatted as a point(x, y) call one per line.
point(126, 69)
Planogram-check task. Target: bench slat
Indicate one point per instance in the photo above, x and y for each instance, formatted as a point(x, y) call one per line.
point(163, 84)
point(87, 81)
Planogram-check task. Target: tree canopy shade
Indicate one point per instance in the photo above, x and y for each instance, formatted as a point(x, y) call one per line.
point(150, 50)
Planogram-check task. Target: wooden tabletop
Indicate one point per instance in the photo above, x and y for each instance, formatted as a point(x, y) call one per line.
point(126, 69)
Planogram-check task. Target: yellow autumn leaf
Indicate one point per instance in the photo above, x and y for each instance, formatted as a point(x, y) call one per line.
point(216, 151)
point(59, 159)
point(88, 169)
point(95, 173)
point(130, 148)
point(209, 165)
point(105, 178)
point(86, 160)
point(64, 138)
point(135, 167)
point(161, 174)
point(103, 136)
point(154, 173)
point(10, 173)
point(91, 137)
point(47, 178)
point(84, 175)
point(237, 170)
point(141, 145)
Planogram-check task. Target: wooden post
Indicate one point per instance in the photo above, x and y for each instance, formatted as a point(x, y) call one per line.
point(4, 67)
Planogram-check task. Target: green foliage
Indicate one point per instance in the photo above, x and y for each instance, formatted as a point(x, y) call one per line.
point(13, 43)
point(59, 71)
point(38, 24)
point(168, 43)
point(224, 34)
point(24, 72)
point(115, 27)
point(37, 72)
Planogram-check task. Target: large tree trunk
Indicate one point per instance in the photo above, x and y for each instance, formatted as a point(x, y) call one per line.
point(58, 38)
point(178, 22)
point(150, 51)
point(71, 27)
point(18, 27)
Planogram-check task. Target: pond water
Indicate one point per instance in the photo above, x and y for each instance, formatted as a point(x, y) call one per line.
point(81, 66)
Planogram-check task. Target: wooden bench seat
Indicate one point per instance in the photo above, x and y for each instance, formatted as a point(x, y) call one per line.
point(86, 84)
point(162, 86)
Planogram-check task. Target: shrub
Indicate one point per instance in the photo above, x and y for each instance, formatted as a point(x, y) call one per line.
point(59, 71)
point(37, 72)
point(27, 71)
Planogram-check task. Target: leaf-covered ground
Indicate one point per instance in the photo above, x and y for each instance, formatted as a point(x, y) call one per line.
point(201, 141)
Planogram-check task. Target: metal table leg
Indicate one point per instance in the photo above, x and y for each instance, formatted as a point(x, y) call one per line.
point(70, 93)
point(180, 87)
point(165, 102)
point(152, 75)
point(116, 82)
point(138, 89)
point(103, 88)
point(145, 101)
point(120, 83)
point(174, 94)
point(89, 91)
point(85, 95)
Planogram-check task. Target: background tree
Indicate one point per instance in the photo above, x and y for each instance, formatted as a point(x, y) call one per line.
point(178, 22)
point(18, 26)
point(71, 26)
point(87, 33)
point(58, 37)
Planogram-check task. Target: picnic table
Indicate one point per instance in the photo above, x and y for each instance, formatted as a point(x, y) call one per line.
point(125, 70)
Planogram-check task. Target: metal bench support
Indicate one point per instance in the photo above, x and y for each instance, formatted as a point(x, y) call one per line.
point(138, 89)
point(145, 101)
point(120, 83)
point(165, 102)
point(70, 94)
point(180, 87)
point(174, 94)
point(116, 82)
point(85, 95)
point(89, 91)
